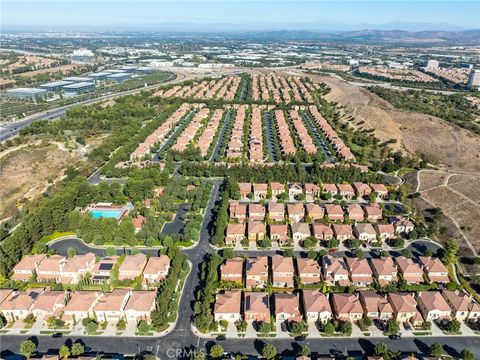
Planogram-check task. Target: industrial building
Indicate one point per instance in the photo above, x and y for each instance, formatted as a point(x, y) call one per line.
point(55, 85)
point(118, 77)
point(25, 93)
point(78, 79)
point(129, 69)
point(79, 88)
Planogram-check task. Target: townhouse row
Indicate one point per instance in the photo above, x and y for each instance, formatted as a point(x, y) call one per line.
point(315, 306)
point(279, 87)
point(72, 307)
point(310, 190)
point(281, 271)
point(60, 269)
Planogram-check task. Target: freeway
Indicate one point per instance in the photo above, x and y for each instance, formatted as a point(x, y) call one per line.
point(11, 129)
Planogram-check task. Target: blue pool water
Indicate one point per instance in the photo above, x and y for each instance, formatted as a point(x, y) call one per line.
point(106, 213)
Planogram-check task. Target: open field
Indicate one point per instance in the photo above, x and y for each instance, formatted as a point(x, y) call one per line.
point(459, 198)
point(454, 148)
point(28, 170)
point(62, 68)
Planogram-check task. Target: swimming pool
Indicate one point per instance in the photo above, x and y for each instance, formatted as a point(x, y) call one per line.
point(106, 213)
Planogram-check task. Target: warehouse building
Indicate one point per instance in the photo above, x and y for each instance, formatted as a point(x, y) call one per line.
point(25, 93)
point(55, 85)
point(129, 69)
point(145, 70)
point(79, 88)
point(118, 77)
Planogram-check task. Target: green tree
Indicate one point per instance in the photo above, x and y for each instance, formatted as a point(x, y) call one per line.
point(329, 329)
point(71, 252)
point(64, 352)
point(436, 350)
point(143, 327)
point(78, 349)
point(454, 326)
point(27, 348)
point(380, 349)
point(393, 328)
point(269, 352)
point(91, 327)
point(216, 351)
point(298, 328)
point(305, 350)
point(451, 250)
point(467, 354)
point(228, 253)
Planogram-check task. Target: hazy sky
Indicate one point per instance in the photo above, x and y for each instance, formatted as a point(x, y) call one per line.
point(115, 12)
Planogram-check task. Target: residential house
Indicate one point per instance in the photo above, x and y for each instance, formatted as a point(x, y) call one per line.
point(110, 306)
point(138, 223)
point(335, 271)
point(256, 306)
point(287, 307)
point(463, 305)
point(19, 303)
point(101, 271)
point(277, 188)
point(334, 212)
point(235, 233)
point(361, 189)
point(355, 212)
point(132, 266)
point(410, 271)
point(364, 232)
point(238, 211)
point(4, 294)
point(232, 270)
point(282, 271)
point(342, 232)
point(300, 231)
point(140, 305)
point(322, 231)
point(359, 271)
point(329, 189)
point(373, 212)
point(256, 212)
point(404, 306)
point(311, 191)
point(433, 306)
point(80, 306)
point(375, 306)
point(27, 267)
point(308, 271)
point(77, 267)
point(279, 233)
point(276, 211)
point(296, 212)
point(257, 272)
point(256, 231)
point(227, 305)
point(434, 269)
point(403, 226)
point(346, 306)
point(384, 270)
point(49, 303)
point(384, 231)
point(380, 189)
point(346, 190)
point(294, 189)
point(51, 268)
point(316, 306)
point(314, 212)
point(260, 191)
point(245, 189)
point(156, 269)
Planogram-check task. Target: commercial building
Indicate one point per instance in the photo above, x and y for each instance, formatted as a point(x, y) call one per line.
point(79, 88)
point(25, 93)
point(432, 64)
point(129, 69)
point(102, 75)
point(55, 85)
point(474, 79)
point(144, 70)
point(78, 79)
point(118, 77)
